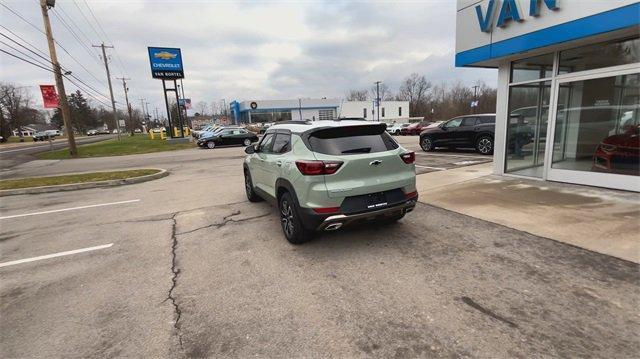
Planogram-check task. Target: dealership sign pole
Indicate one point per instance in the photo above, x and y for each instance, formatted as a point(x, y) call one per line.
point(166, 64)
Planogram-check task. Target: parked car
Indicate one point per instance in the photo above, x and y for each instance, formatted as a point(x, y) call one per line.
point(158, 130)
point(53, 133)
point(42, 136)
point(2, 139)
point(472, 131)
point(414, 128)
point(324, 175)
point(206, 128)
point(105, 131)
point(396, 128)
point(619, 153)
point(137, 130)
point(227, 136)
point(92, 132)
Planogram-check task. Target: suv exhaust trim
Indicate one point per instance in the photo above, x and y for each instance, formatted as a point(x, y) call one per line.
point(337, 221)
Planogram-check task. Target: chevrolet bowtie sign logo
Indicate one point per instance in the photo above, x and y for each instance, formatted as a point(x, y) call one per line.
point(164, 55)
point(166, 63)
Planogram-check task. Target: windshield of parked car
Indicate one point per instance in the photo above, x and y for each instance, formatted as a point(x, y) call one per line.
point(351, 140)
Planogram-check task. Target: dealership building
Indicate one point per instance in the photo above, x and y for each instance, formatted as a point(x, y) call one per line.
point(568, 86)
point(254, 111)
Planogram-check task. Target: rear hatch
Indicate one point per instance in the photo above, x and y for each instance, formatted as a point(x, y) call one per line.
point(370, 157)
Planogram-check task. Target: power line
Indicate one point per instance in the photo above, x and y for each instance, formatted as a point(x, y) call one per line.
point(65, 76)
point(57, 43)
point(74, 34)
point(107, 37)
point(49, 63)
point(24, 53)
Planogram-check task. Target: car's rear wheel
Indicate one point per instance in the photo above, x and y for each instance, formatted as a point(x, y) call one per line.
point(292, 227)
point(252, 196)
point(484, 145)
point(211, 145)
point(426, 143)
point(247, 142)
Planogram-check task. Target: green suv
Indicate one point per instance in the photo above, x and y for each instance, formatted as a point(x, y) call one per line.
point(324, 175)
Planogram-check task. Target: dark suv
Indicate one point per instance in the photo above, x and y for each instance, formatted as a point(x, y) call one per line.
point(476, 131)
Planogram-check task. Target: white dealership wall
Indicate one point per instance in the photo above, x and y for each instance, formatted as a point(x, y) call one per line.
point(394, 111)
point(575, 23)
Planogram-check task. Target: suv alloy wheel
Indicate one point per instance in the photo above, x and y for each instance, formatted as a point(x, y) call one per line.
point(426, 143)
point(292, 227)
point(485, 145)
point(252, 196)
point(211, 144)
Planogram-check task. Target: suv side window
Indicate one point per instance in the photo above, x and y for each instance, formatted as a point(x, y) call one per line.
point(468, 121)
point(486, 120)
point(265, 144)
point(282, 143)
point(453, 123)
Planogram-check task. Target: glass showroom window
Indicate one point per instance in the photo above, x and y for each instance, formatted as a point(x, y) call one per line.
point(597, 126)
point(529, 98)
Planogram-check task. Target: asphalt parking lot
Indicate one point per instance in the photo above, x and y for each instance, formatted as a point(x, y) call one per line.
point(184, 266)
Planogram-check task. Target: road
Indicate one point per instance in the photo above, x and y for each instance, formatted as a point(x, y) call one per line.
point(11, 156)
point(184, 266)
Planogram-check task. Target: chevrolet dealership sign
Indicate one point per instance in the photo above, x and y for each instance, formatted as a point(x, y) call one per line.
point(166, 63)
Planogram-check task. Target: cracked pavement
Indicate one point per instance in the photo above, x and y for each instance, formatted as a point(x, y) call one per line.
point(197, 271)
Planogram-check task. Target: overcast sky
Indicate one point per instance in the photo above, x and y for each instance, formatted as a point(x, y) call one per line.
point(244, 50)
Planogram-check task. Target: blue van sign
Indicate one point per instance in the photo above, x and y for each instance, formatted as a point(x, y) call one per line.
point(166, 63)
point(509, 11)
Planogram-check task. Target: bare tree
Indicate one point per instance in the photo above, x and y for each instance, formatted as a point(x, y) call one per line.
point(202, 108)
point(415, 89)
point(13, 101)
point(385, 92)
point(357, 95)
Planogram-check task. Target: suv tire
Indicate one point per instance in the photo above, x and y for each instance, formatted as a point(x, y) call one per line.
point(210, 144)
point(252, 196)
point(292, 227)
point(426, 143)
point(484, 145)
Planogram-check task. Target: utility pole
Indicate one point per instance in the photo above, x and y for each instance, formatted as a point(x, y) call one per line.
point(378, 99)
point(144, 114)
point(62, 95)
point(113, 102)
point(126, 98)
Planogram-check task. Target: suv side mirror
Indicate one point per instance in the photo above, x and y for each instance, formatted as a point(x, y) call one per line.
point(250, 149)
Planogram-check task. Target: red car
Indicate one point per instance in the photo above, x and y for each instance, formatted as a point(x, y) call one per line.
point(414, 129)
point(619, 153)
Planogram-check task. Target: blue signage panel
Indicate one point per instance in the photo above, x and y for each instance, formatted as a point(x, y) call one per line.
point(166, 63)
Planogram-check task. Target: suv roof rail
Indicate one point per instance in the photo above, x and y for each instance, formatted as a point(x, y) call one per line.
point(349, 119)
point(294, 122)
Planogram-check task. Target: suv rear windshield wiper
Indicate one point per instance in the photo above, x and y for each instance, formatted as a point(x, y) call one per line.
point(358, 150)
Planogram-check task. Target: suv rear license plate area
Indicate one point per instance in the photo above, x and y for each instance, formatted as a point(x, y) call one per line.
point(371, 201)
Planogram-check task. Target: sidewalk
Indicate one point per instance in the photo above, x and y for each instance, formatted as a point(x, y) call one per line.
point(600, 220)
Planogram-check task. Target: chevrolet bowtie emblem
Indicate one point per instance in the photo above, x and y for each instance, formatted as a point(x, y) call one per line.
point(375, 163)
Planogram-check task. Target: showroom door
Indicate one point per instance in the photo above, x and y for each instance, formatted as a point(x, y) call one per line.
point(595, 137)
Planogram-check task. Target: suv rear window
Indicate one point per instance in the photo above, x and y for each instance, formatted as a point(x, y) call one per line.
point(352, 140)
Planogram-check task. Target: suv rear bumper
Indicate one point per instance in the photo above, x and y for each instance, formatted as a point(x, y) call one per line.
point(321, 222)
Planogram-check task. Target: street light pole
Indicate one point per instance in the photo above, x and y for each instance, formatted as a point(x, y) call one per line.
point(378, 99)
point(62, 95)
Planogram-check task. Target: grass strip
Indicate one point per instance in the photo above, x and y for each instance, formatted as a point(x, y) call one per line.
point(73, 178)
point(127, 145)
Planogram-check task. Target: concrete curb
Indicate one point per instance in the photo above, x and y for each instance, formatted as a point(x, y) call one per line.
point(84, 185)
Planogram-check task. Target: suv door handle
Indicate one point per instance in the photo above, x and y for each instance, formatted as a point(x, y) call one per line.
point(279, 163)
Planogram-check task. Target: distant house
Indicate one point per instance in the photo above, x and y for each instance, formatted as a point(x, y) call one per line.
point(29, 130)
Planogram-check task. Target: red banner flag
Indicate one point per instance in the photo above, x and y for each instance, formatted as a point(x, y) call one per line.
point(49, 96)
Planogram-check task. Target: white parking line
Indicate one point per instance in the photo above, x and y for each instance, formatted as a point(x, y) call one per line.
point(450, 155)
point(432, 168)
point(69, 209)
point(59, 254)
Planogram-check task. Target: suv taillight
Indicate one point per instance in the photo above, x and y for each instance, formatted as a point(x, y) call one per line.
point(315, 168)
point(409, 157)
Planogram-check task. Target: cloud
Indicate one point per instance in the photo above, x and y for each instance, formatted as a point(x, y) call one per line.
point(250, 50)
